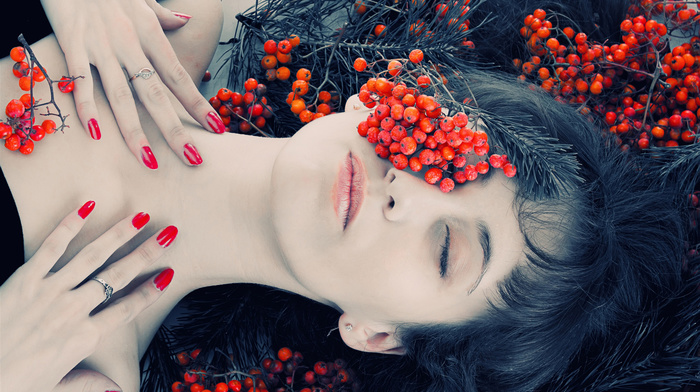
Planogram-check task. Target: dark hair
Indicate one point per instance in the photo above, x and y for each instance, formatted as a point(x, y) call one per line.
point(600, 275)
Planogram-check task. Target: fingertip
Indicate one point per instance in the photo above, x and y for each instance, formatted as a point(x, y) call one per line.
point(192, 155)
point(163, 279)
point(148, 158)
point(94, 129)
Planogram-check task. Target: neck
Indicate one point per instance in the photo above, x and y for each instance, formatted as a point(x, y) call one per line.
point(228, 234)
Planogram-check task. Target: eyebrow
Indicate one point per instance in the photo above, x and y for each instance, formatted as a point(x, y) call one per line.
point(485, 241)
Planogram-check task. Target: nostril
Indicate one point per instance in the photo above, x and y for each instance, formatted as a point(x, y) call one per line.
point(391, 176)
point(391, 202)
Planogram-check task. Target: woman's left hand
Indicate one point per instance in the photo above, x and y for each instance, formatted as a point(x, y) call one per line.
point(127, 35)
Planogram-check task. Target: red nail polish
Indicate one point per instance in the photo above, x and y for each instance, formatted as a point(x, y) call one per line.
point(94, 129)
point(86, 209)
point(148, 158)
point(167, 236)
point(192, 154)
point(181, 15)
point(140, 220)
point(163, 279)
point(215, 122)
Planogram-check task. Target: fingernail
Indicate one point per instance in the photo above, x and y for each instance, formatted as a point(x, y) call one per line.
point(86, 209)
point(94, 129)
point(215, 122)
point(140, 220)
point(163, 279)
point(148, 158)
point(181, 15)
point(192, 154)
point(167, 236)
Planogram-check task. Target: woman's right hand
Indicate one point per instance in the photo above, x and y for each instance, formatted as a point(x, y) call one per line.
point(118, 36)
point(48, 322)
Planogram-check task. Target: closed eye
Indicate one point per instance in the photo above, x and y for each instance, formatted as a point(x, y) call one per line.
point(445, 254)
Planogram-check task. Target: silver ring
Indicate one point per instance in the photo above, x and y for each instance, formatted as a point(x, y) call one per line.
point(144, 73)
point(108, 289)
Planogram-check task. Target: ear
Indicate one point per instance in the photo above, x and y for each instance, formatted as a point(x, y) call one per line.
point(369, 337)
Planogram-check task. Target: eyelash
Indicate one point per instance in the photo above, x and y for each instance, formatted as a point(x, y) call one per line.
point(445, 254)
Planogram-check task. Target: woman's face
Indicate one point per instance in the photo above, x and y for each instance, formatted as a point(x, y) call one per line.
point(370, 239)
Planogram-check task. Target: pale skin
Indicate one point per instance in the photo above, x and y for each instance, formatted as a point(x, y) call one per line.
point(261, 211)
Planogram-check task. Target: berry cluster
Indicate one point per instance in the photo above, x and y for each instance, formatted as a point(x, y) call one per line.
point(643, 91)
point(19, 130)
point(286, 373)
point(321, 104)
point(243, 112)
point(453, 13)
point(412, 130)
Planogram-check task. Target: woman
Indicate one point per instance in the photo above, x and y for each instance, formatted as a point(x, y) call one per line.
point(510, 254)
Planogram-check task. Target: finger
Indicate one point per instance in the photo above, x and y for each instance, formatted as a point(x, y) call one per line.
point(169, 20)
point(154, 96)
point(85, 380)
point(125, 309)
point(83, 94)
point(56, 243)
point(91, 257)
point(121, 273)
point(121, 100)
point(179, 82)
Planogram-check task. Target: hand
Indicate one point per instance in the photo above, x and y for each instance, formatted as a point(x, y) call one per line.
point(46, 325)
point(127, 35)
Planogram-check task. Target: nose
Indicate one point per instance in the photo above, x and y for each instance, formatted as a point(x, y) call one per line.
point(403, 195)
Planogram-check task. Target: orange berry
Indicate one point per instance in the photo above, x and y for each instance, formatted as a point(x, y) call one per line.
point(416, 56)
point(300, 87)
point(394, 67)
point(283, 58)
point(323, 108)
point(379, 29)
point(269, 61)
point(17, 54)
point(298, 105)
point(283, 73)
point(303, 74)
point(294, 40)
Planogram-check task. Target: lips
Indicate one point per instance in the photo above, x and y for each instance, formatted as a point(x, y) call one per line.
point(349, 190)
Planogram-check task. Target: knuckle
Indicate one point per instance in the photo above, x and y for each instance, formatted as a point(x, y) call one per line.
point(201, 105)
point(115, 277)
point(125, 311)
point(122, 95)
point(156, 92)
point(93, 258)
point(179, 74)
point(83, 106)
point(147, 254)
point(177, 132)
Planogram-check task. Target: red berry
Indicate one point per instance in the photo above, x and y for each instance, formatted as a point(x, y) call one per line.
point(235, 385)
point(49, 126)
point(5, 130)
point(447, 184)
point(14, 109)
point(270, 47)
point(433, 175)
point(221, 387)
point(27, 147)
point(509, 170)
point(178, 387)
point(414, 164)
point(12, 142)
point(66, 84)
point(321, 368)
point(20, 69)
point(207, 76)
point(37, 133)
point(400, 161)
point(284, 46)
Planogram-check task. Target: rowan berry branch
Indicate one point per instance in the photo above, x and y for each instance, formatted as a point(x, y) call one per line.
point(52, 101)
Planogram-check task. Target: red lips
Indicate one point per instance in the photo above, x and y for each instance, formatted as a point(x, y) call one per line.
point(349, 190)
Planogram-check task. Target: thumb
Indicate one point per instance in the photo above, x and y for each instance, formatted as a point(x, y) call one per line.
point(83, 380)
point(169, 20)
